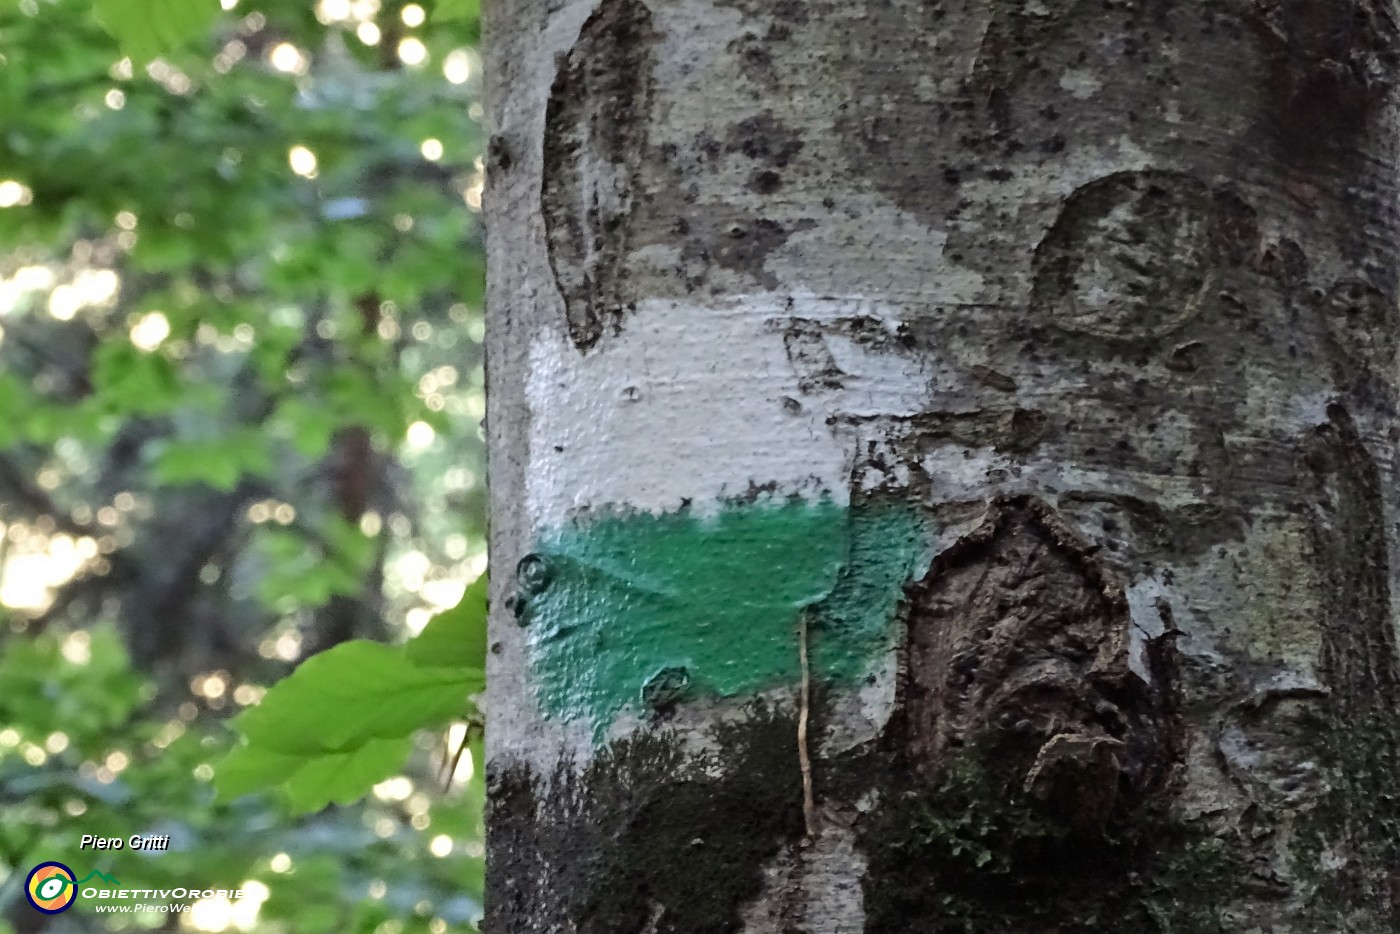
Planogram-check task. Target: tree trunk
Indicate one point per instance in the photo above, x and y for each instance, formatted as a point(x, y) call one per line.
point(941, 461)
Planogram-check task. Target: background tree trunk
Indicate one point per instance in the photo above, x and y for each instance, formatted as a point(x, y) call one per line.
point(942, 466)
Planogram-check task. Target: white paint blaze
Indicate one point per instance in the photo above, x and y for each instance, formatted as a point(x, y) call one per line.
point(694, 404)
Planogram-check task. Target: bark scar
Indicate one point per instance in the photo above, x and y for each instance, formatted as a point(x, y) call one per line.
point(1331, 66)
point(595, 138)
point(1018, 654)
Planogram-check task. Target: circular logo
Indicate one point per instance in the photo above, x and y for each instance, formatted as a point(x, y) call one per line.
point(51, 887)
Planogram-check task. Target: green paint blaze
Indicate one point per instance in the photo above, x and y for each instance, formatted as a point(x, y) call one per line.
point(630, 610)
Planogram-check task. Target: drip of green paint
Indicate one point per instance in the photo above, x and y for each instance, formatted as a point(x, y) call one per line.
point(626, 610)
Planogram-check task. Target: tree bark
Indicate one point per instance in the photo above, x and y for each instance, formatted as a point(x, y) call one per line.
point(942, 472)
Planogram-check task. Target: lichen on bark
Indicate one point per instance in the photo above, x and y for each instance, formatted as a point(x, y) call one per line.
point(645, 837)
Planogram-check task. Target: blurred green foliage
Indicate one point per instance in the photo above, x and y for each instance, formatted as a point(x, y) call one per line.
point(83, 751)
point(240, 465)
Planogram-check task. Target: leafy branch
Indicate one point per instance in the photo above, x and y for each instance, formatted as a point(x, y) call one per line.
point(345, 719)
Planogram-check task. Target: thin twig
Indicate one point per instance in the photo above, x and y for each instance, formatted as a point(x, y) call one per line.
point(451, 760)
point(471, 733)
point(804, 759)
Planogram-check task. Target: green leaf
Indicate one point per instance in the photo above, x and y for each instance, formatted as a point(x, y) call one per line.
point(457, 636)
point(356, 691)
point(302, 571)
point(312, 782)
point(131, 381)
point(335, 720)
point(351, 545)
point(147, 29)
point(356, 395)
point(23, 412)
point(218, 462)
point(446, 10)
point(310, 428)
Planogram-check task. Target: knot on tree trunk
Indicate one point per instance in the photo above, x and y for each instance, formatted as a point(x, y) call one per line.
point(1018, 660)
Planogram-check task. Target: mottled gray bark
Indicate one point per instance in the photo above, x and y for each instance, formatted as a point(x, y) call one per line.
point(1104, 294)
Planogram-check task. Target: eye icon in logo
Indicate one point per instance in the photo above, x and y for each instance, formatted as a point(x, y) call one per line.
point(51, 887)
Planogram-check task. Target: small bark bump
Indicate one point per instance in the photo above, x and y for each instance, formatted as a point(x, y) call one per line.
point(1130, 257)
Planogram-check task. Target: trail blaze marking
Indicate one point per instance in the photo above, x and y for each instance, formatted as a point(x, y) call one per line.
point(627, 609)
